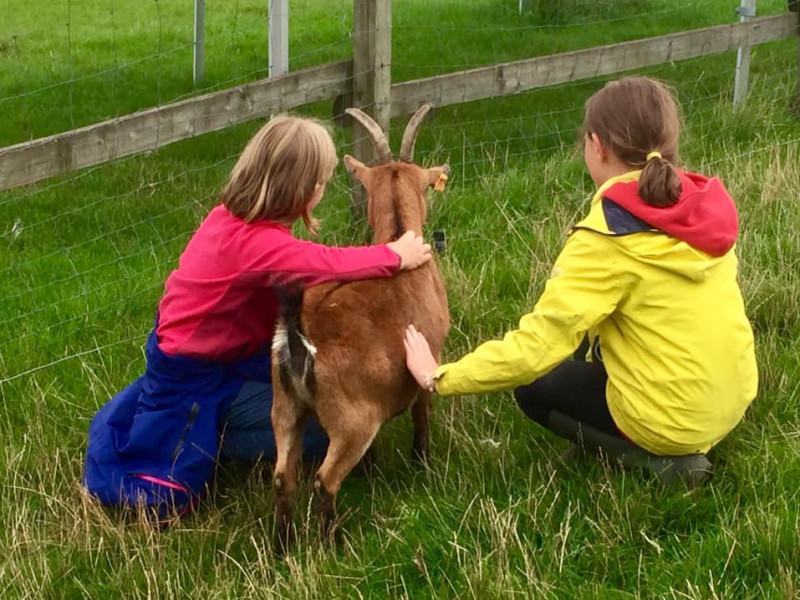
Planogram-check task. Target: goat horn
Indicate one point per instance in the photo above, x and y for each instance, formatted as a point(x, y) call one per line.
point(412, 129)
point(376, 134)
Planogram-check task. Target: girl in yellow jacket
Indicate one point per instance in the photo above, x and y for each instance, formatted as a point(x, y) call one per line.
point(651, 276)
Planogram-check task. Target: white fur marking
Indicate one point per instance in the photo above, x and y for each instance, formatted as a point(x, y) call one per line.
point(280, 339)
point(312, 350)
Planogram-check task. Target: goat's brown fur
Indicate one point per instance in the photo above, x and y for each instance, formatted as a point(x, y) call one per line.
point(358, 378)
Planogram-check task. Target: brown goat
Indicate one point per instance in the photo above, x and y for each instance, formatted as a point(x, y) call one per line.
point(340, 356)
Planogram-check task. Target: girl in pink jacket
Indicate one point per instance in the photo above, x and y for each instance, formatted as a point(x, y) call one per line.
point(206, 391)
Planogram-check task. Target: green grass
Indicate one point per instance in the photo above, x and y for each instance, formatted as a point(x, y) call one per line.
point(498, 514)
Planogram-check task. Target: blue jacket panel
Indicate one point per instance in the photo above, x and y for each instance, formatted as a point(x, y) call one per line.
point(164, 426)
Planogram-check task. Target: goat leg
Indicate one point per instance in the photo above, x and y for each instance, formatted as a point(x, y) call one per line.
point(420, 413)
point(284, 509)
point(288, 423)
point(366, 466)
point(350, 438)
point(325, 507)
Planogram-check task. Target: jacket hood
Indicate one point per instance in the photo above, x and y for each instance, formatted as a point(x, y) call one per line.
point(704, 217)
point(690, 238)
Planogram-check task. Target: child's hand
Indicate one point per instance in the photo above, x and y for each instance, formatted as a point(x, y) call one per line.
point(412, 249)
point(419, 358)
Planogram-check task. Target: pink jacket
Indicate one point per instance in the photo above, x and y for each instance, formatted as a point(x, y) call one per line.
point(219, 303)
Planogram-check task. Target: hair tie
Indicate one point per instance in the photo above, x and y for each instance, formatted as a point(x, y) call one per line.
point(653, 154)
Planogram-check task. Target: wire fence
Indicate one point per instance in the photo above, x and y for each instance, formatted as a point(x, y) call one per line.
point(73, 64)
point(83, 258)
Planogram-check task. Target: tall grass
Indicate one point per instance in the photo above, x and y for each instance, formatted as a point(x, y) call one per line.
point(498, 513)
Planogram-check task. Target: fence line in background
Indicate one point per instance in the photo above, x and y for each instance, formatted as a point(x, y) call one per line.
point(50, 307)
point(51, 322)
point(156, 127)
point(367, 81)
point(514, 77)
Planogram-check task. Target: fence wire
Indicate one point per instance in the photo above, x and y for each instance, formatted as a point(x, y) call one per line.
point(83, 258)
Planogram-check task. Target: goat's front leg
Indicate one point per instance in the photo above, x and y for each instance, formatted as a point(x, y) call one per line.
point(420, 414)
point(287, 423)
point(351, 433)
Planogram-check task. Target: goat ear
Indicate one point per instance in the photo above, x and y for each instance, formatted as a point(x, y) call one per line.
point(357, 169)
point(352, 165)
point(436, 176)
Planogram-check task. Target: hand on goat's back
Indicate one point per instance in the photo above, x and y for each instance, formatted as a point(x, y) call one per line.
point(412, 249)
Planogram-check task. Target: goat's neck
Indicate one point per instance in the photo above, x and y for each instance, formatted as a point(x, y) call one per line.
point(389, 227)
point(396, 208)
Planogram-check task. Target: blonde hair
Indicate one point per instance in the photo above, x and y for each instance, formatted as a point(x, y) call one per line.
point(279, 171)
point(635, 117)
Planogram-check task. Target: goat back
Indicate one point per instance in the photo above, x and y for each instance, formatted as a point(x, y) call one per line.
point(350, 342)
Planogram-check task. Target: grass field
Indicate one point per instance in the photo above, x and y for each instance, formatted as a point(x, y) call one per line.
point(498, 513)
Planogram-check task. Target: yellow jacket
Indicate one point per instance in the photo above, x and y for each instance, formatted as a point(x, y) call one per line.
point(673, 333)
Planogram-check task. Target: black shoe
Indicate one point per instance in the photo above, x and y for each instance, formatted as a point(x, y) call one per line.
point(573, 454)
point(692, 469)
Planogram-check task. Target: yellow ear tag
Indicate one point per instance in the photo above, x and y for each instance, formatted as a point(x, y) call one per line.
point(439, 185)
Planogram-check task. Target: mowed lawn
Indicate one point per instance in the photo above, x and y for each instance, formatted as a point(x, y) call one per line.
point(498, 513)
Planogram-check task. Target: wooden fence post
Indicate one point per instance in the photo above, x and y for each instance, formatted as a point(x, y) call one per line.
point(372, 76)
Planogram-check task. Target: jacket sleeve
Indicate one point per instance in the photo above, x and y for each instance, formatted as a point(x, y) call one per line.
point(585, 287)
point(311, 263)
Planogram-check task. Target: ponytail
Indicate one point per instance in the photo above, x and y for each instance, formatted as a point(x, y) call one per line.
point(659, 183)
point(633, 117)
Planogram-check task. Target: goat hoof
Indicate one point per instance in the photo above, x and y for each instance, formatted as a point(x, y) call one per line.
point(325, 509)
point(421, 456)
point(282, 542)
point(329, 530)
point(335, 535)
point(420, 460)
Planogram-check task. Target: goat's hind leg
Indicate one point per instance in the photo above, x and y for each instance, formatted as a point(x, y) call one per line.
point(420, 415)
point(366, 466)
point(350, 438)
point(288, 421)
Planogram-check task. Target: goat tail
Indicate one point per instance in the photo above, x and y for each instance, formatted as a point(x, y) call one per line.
point(290, 347)
point(290, 302)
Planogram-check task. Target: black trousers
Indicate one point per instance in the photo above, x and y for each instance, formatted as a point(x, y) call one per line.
point(574, 388)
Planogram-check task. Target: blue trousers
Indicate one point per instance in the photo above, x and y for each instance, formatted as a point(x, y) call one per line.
point(247, 433)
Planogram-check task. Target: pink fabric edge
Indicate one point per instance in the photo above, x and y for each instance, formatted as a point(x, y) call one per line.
point(164, 482)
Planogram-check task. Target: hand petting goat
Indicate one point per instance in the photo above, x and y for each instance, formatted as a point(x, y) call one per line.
point(419, 359)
